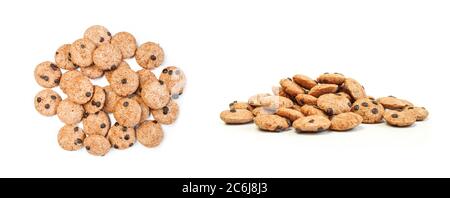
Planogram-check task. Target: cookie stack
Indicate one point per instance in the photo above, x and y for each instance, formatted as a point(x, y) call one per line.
point(131, 97)
point(331, 102)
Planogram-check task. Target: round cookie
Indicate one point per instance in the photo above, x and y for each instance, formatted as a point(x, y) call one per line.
point(322, 89)
point(335, 78)
point(304, 81)
point(124, 81)
point(97, 34)
point(236, 116)
point(146, 75)
point(92, 72)
point(47, 74)
point(63, 58)
point(240, 105)
point(370, 110)
point(290, 114)
point(46, 102)
point(354, 89)
point(276, 102)
point(80, 90)
point(97, 101)
point(278, 91)
point(399, 119)
point(312, 124)
point(97, 145)
point(174, 79)
point(126, 43)
point(70, 138)
point(263, 111)
point(291, 88)
point(145, 110)
point(121, 137)
point(107, 57)
point(309, 110)
point(69, 112)
point(127, 112)
point(168, 114)
point(150, 133)
point(420, 113)
point(108, 74)
point(155, 94)
point(81, 52)
point(303, 99)
point(111, 99)
point(333, 104)
point(255, 100)
point(149, 55)
point(345, 121)
point(97, 124)
point(272, 123)
point(66, 79)
point(392, 102)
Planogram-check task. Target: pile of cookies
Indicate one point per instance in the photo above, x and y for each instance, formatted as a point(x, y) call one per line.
point(130, 96)
point(331, 102)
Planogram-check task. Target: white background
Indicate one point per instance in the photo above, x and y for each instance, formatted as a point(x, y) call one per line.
point(229, 51)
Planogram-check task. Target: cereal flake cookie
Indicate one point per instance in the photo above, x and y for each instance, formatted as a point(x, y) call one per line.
point(174, 79)
point(47, 74)
point(71, 137)
point(303, 99)
point(66, 79)
point(110, 100)
point(46, 102)
point(322, 89)
point(124, 81)
point(371, 111)
point(126, 43)
point(69, 112)
point(304, 81)
point(81, 52)
point(155, 94)
point(97, 124)
point(127, 112)
point(345, 121)
point(335, 78)
point(392, 102)
point(107, 57)
point(419, 112)
point(92, 72)
point(98, 34)
point(121, 137)
point(272, 123)
point(240, 105)
point(399, 118)
point(290, 114)
point(150, 133)
point(255, 100)
point(149, 55)
point(333, 104)
point(309, 110)
point(97, 101)
point(312, 124)
point(80, 90)
point(108, 73)
point(146, 75)
point(291, 88)
point(63, 58)
point(354, 89)
point(97, 145)
point(236, 116)
point(168, 114)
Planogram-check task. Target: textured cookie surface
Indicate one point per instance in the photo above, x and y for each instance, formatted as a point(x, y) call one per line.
point(127, 112)
point(168, 114)
point(46, 102)
point(155, 94)
point(97, 101)
point(111, 99)
point(97, 145)
point(303, 99)
point(63, 58)
point(304, 81)
point(121, 137)
point(47, 74)
point(80, 90)
point(69, 112)
point(312, 124)
point(97, 34)
point(419, 112)
point(97, 124)
point(71, 137)
point(81, 52)
point(124, 81)
point(371, 111)
point(354, 89)
point(322, 89)
point(107, 57)
point(174, 79)
point(240, 105)
point(290, 114)
point(333, 104)
point(273, 123)
point(392, 102)
point(334, 78)
point(149, 55)
point(291, 88)
point(345, 121)
point(66, 79)
point(126, 43)
point(150, 133)
point(92, 72)
point(309, 110)
point(399, 118)
point(236, 116)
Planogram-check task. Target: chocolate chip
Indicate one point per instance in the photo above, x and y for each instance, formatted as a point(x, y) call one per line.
point(175, 96)
point(56, 81)
point(57, 53)
point(330, 111)
point(127, 137)
point(103, 125)
point(108, 33)
point(75, 129)
point(311, 121)
point(78, 141)
point(85, 114)
point(165, 71)
point(320, 129)
point(161, 82)
point(93, 103)
point(391, 96)
point(356, 107)
point(88, 94)
point(154, 121)
point(180, 93)
point(39, 99)
point(88, 148)
point(153, 57)
point(374, 111)
point(301, 102)
point(365, 104)
point(349, 104)
point(394, 115)
point(115, 146)
point(54, 67)
point(131, 144)
point(98, 104)
point(113, 67)
point(44, 78)
point(170, 72)
point(375, 102)
point(70, 55)
point(177, 72)
point(47, 106)
point(165, 110)
point(410, 107)
point(233, 110)
point(102, 39)
point(124, 81)
point(116, 124)
point(82, 46)
point(125, 104)
point(124, 129)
